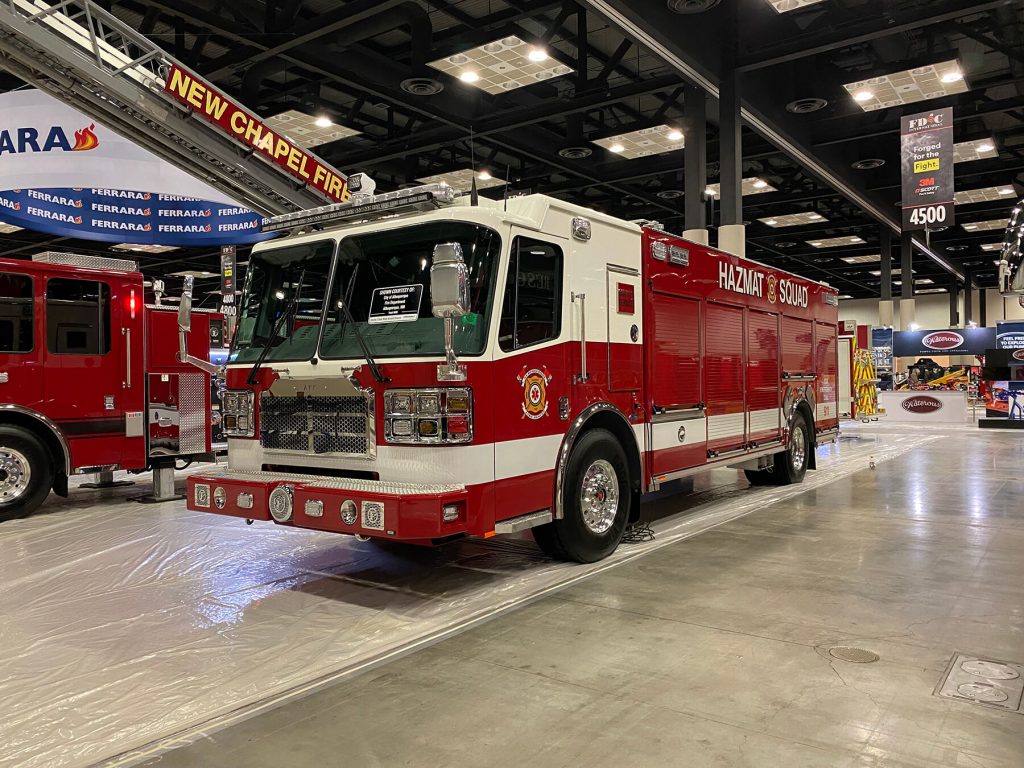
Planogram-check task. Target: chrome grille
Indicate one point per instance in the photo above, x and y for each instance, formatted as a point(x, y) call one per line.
point(317, 424)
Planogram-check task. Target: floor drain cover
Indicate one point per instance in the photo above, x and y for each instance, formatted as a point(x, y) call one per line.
point(984, 681)
point(855, 655)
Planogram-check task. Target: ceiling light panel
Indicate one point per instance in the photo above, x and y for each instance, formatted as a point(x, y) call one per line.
point(463, 180)
point(992, 247)
point(871, 259)
point(793, 219)
point(644, 142)
point(932, 290)
point(984, 195)
point(143, 247)
point(502, 65)
point(981, 149)
point(304, 131)
point(908, 86)
point(751, 186)
point(986, 226)
point(785, 6)
point(835, 242)
point(6, 229)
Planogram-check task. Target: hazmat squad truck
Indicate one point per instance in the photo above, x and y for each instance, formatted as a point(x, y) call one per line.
point(420, 366)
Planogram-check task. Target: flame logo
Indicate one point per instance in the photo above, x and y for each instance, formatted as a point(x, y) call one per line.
point(77, 203)
point(77, 219)
point(146, 212)
point(146, 196)
point(147, 227)
point(207, 212)
point(207, 228)
point(85, 139)
point(17, 206)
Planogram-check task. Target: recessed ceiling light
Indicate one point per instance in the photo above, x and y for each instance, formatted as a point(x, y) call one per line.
point(485, 176)
point(785, 244)
point(982, 195)
point(670, 194)
point(644, 142)
point(932, 290)
point(835, 242)
point(794, 219)
point(711, 191)
point(862, 259)
point(992, 247)
point(956, 248)
point(785, 6)
point(985, 147)
point(751, 186)
point(806, 106)
point(845, 296)
point(462, 180)
point(502, 65)
point(908, 86)
point(306, 130)
point(323, 122)
point(868, 163)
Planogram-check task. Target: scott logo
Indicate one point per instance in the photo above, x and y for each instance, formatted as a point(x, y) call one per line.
point(20, 140)
point(943, 340)
point(921, 404)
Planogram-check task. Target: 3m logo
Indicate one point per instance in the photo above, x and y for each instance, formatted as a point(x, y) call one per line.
point(922, 404)
point(943, 340)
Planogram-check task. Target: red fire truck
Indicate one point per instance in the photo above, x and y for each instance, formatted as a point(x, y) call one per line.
point(90, 379)
point(417, 367)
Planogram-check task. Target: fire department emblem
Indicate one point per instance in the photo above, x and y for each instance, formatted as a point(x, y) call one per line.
point(772, 285)
point(535, 391)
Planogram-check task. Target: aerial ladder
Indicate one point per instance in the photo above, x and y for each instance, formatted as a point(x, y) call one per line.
point(89, 59)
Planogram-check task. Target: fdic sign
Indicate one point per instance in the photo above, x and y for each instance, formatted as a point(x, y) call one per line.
point(926, 158)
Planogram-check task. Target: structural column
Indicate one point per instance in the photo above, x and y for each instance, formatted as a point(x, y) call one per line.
point(695, 157)
point(885, 306)
point(907, 309)
point(982, 307)
point(954, 302)
point(968, 296)
point(731, 233)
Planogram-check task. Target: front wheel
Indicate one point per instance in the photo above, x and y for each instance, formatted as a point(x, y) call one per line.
point(26, 474)
point(596, 501)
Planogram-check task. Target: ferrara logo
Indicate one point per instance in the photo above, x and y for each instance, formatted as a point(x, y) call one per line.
point(18, 141)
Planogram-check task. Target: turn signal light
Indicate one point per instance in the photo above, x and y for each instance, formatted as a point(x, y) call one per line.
point(428, 428)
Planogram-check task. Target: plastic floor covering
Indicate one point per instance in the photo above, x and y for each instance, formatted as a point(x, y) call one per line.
point(128, 628)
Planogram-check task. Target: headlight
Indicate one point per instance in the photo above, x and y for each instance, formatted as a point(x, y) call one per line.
point(238, 418)
point(428, 416)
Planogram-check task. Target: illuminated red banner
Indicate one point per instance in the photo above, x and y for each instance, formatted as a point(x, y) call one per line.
point(248, 129)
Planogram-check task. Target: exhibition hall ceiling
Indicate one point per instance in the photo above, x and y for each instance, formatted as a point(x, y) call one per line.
point(560, 98)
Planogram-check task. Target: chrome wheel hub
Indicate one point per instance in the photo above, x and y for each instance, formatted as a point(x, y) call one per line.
point(599, 497)
point(15, 474)
point(798, 447)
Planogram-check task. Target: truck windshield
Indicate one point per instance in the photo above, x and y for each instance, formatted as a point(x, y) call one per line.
point(384, 278)
point(288, 281)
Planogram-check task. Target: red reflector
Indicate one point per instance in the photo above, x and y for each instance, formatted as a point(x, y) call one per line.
point(458, 425)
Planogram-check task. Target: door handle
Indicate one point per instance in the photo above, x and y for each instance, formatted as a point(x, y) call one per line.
point(582, 376)
point(127, 333)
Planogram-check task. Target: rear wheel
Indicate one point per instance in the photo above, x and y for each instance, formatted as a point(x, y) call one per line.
point(596, 502)
point(26, 473)
point(791, 465)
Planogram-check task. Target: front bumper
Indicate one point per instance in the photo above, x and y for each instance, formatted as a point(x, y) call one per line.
point(409, 511)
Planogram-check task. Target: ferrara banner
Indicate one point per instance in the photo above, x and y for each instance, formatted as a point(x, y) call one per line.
point(62, 174)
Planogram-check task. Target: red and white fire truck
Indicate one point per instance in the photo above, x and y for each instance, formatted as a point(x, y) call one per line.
point(90, 377)
point(417, 367)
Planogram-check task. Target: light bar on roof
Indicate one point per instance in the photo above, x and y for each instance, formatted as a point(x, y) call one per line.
point(980, 149)
point(908, 86)
point(785, 6)
point(463, 180)
point(308, 131)
point(751, 186)
point(835, 242)
point(984, 226)
point(644, 142)
point(870, 259)
point(364, 207)
point(502, 65)
point(793, 219)
point(984, 194)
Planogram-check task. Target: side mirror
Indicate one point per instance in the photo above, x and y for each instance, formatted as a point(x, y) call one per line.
point(185, 307)
point(449, 281)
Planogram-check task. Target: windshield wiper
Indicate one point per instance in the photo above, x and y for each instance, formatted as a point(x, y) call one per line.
point(360, 340)
point(292, 304)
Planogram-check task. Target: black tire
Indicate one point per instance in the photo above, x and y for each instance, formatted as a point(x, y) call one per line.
point(589, 537)
point(791, 465)
point(20, 450)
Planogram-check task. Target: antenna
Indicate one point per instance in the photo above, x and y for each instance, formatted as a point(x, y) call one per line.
point(508, 170)
point(474, 194)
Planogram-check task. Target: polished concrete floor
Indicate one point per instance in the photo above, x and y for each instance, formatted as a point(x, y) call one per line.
point(714, 651)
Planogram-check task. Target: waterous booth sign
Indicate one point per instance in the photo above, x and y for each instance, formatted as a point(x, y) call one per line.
point(63, 174)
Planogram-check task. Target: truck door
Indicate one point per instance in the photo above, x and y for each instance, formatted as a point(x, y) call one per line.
point(531, 374)
point(21, 351)
point(724, 366)
point(88, 385)
point(625, 353)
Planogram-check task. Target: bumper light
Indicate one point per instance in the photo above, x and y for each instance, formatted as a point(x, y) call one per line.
point(314, 508)
point(450, 512)
point(237, 409)
point(434, 416)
